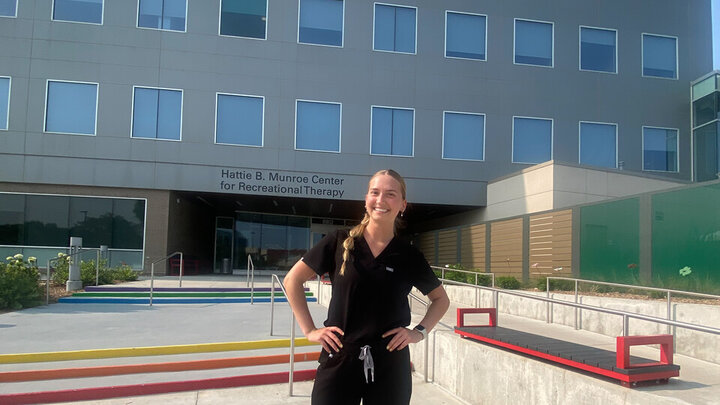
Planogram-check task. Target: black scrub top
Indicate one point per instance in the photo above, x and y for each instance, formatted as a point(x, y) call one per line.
point(371, 297)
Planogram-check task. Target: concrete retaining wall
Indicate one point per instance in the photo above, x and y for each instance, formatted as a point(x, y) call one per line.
point(481, 374)
point(694, 344)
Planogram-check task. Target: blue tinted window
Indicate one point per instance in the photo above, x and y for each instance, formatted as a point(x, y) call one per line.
point(157, 113)
point(533, 43)
point(4, 101)
point(243, 18)
point(321, 22)
point(660, 149)
point(598, 144)
point(162, 14)
point(392, 131)
point(71, 108)
point(465, 36)
point(239, 120)
point(317, 126)
point(394, 28)
point(532, 140)
point(463, 136)
point(659, 56)
point(88, 11)
point(8, 8)
point(597, 49)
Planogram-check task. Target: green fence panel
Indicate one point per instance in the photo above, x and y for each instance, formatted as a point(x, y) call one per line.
point(610, 241)
point(686, 234)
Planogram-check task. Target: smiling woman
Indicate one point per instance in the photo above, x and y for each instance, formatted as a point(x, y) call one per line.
point(372, 273)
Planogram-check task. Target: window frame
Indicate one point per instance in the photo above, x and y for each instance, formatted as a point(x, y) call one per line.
point(267, 19)
point(137, 20)
point(262, 134)
point(16, 11)
point(677, 146)
point(617, 162)
point(552, 53)
point(102, 16)
point(642, 56)
point(512, 140)
point(132, 113)
point(412, 154)
point(580, 49)
point(7, 118)
point(486, 36)
point(45, 111)
point(295, 147)
point(484, 141)
point(342, 41)
point(375, 4)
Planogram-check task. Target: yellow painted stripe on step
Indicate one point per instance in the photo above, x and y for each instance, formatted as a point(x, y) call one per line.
point(148, 351)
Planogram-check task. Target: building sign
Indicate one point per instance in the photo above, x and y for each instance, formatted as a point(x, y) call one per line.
point(290, 184)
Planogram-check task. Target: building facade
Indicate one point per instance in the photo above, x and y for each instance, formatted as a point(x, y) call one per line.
point(230, 128)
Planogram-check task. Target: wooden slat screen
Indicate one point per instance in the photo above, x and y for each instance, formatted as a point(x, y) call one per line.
point(506, 248)
point(472, 249)
point(447, 247)
point(426, 244)
point(550, 244)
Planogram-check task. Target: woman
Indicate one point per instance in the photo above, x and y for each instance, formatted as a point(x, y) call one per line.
point(365, 337)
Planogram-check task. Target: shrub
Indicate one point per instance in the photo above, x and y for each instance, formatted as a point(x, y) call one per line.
point(508, 283)
point(19, 283)
point(105, 275)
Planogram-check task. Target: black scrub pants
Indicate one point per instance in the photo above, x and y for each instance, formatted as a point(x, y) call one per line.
point(340, 379)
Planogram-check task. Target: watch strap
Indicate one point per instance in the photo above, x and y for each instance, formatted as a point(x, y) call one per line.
point(422, 330)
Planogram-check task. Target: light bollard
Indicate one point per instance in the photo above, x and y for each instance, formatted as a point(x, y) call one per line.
point(74, 282)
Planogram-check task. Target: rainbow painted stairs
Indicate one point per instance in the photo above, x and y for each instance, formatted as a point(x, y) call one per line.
point(143, 369)
point(169, 295)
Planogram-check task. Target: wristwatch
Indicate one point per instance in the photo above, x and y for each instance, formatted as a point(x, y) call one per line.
point(422, 330)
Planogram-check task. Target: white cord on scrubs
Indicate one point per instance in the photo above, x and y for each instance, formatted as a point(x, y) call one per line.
point(368, 363)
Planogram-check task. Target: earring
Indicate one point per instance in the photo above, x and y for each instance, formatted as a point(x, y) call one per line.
point(402, 213)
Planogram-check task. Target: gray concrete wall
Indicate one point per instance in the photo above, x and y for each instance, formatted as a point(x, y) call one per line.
point(117, 55)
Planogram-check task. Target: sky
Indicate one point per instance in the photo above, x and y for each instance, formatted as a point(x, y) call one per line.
point(716, 33)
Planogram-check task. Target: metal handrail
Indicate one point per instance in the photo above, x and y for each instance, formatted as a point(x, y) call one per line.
point(444, 269)
point(251, 279)
point(152, 271)
point(625, 315)
point(667, 291)
point(292, 326)
point(422, 301)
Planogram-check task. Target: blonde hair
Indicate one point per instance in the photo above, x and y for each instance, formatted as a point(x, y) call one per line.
point(357, 230)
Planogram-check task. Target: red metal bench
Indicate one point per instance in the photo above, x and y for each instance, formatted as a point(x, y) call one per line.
point(619, 365)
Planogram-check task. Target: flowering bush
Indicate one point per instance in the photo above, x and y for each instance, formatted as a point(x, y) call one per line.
point(106, 275)
point(19, 282)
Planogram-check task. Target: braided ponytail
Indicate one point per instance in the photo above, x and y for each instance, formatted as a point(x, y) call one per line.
point(349, 242)
point(357, 230)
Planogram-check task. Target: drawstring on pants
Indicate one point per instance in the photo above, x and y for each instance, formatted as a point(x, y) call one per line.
point(368, 364)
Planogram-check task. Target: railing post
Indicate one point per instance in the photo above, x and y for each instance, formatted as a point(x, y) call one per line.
point(47, 284)
point(427, 365)
point(247, 276)
point(318, 289)
point(626, 325)
point(669, 311)
point(152, 281)
point(97, 268)
point(181, 268)
point(272, 304)
point(576, 301)
point(292, 351)
point(547, 303)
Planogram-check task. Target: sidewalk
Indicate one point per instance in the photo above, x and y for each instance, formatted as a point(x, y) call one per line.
point(60, 327)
